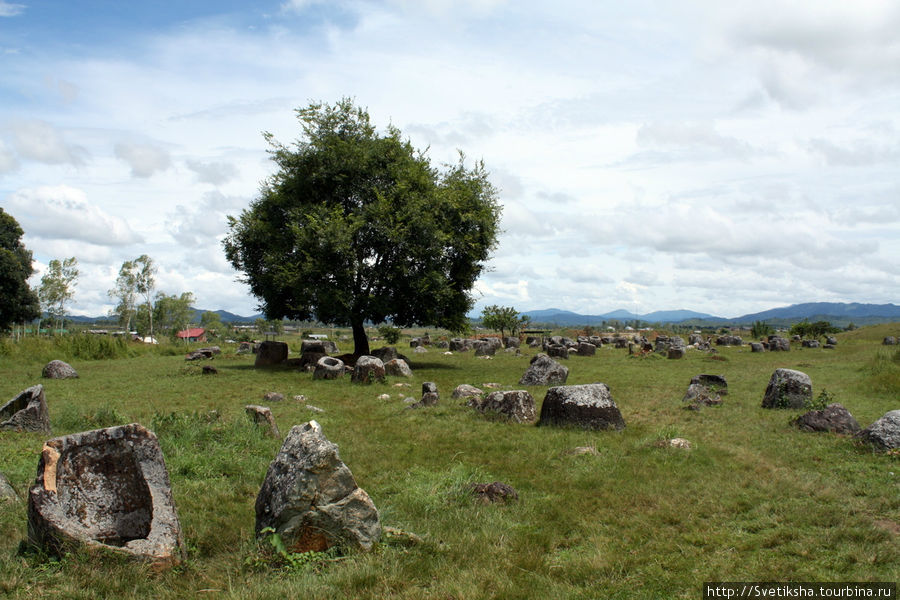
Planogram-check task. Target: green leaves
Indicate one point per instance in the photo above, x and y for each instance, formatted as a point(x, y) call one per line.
point(358, 226)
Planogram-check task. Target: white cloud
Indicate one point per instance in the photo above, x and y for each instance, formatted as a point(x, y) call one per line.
point(8, 162)
point(144, 159)
point(10, 9)
point(38, 140)
point(64, 213)
point(215, 173)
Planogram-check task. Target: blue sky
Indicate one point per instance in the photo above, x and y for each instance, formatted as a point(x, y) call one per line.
point(721, 157)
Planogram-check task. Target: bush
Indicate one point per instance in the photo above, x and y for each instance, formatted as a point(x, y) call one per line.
point(389, 333)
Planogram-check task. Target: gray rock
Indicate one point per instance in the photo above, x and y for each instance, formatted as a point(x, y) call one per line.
point(420, 350)
point(273, 397)
point(588, 406)
point(26, 412)
point(586, 349)
point(310, 498)
point(517, 405)
point(511, 342)
point(889, 341)
point(883, 434)
point(429, 387)
point(109, 489)
point(368, 369)
point(329, 367)
point(788, 389)
point(834, 418)
point(317, 346)
point(244, 348)
point(460, 345)
point(262, 415)
point(7, 492)
point(386, 354)
point(57, 369)
point(494, 493)
point(198, 355)
point(557, 351)
point(698, 395)
point(210, 350)
point(675, 352)
point(779, 344)
point(543, 370)
point(397, 368)
point(465, 390)
point(831, 340)
point(757, 347)
point(270, 354)
point(695, 338)
point(714, 383)
point(810, 343)
point(484, 348)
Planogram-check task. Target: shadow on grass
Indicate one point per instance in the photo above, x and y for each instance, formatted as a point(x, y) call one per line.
point(434, 365)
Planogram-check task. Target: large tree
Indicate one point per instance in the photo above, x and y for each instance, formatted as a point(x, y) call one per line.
point(358, 226)
point(58, 287)
point(503, 318)
point(18, 302)
point(145, 283)
point(125, 292)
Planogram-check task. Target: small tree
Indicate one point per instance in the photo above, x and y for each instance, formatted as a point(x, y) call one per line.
point(761, 330)
point(125, 291)
point(174, 313)
point(390, 333)
point(18, 302)
point(145, 283)
point(503, 318)
point(211, 322)
point(58, 287)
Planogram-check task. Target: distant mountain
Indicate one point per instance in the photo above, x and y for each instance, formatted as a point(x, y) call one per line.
point(568, 318)
point(834, 309)
point(226, 317)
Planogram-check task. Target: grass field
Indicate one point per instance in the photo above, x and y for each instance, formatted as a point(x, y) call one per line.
point(754, 500)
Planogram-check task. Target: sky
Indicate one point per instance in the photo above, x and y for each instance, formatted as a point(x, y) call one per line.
point(723, 157)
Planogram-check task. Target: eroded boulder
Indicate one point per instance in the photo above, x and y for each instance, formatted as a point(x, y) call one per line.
point(26, 412)
point(7, 491)
point(262, 415)
point(329, 367)
point(464, 390)
point(883, 434)
point(543, 370)
point(310, 498)
point(589, 406)
point(107, 488)
point(398, 368)
point(515, 405)
point(57, 369)
point(270, 354)
point(368, 369)
point(833, 418)
point(788, 389)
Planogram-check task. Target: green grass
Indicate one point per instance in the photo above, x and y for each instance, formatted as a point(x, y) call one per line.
point(755, 499)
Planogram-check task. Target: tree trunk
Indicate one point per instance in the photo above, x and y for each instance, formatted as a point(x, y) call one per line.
point(360, 339)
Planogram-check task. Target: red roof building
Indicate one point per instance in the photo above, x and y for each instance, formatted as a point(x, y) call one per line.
point(197, 334)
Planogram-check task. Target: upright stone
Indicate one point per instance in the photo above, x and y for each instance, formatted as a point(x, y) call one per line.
point(883, 434)
point(368, 369)
point(543, 370)
point(329, 367)
point(108, 489)
point(26, 412)
point(834, 418)
point(788, 389)
point(517, 405)
point(262, 415)
point(397, 368)
point(310, 498)
point(270, 354)
point(589, 406)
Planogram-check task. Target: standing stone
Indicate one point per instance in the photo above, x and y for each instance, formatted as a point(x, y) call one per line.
point(368, 369)
point(57, 369)
point(317, 346)
point(269, 354)
point(586, 349)
point(517, 406)
point(328, 367)
point(788, 389)
point(386, 354)
point(889, 340)
point(108, 489)
point(756, 347)
point(779, 344)
point(543, 370)
point(675, 352)
point(310, 498)
point(262, 415)
point(589, 406)
point(834, 418)
point(714, 383)
point(484, 348)
point(558, 351)
point(398, 368)
point(511, 342)
point(810, 343)
point(831, 340)
point(883, 434)
point(26, 412)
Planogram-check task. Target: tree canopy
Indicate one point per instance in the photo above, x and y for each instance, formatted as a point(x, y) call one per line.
point(503, 319)
point(358, 226)
point(58, 287)
point(18, 302)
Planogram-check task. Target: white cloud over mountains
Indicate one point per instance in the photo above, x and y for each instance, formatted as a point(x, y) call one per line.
point(715, 156)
